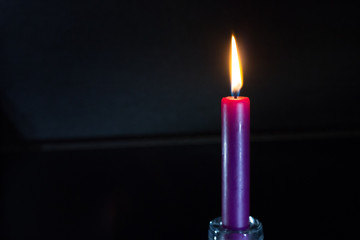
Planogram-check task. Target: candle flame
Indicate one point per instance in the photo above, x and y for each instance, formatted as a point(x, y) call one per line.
point(235, 69)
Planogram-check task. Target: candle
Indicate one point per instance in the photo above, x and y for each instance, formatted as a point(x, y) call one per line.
point(235, 123)
point(235, 222)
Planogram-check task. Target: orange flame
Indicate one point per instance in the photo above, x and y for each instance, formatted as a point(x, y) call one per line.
point(235, 69)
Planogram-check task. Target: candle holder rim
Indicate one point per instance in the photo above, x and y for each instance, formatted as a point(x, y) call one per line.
point(216, 226)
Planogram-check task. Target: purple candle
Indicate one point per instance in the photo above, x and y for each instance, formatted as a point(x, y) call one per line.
point(235, 123)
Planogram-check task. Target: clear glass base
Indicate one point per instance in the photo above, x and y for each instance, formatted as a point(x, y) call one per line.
point(218, 232)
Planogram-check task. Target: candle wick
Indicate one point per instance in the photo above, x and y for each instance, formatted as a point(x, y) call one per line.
point(235, 94)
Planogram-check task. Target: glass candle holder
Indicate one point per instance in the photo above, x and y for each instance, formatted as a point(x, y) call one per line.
point(218, 232)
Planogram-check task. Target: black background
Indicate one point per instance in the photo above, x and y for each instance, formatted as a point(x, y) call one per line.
point(110, 116)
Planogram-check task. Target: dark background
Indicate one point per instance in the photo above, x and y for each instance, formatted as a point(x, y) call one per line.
point(110, 117)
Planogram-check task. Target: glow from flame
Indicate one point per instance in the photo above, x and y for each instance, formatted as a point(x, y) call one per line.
point(235, 69)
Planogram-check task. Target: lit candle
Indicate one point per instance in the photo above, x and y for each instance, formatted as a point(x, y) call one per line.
point(235, 123)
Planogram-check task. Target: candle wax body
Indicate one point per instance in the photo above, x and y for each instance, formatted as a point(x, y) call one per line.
point(235, 181)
